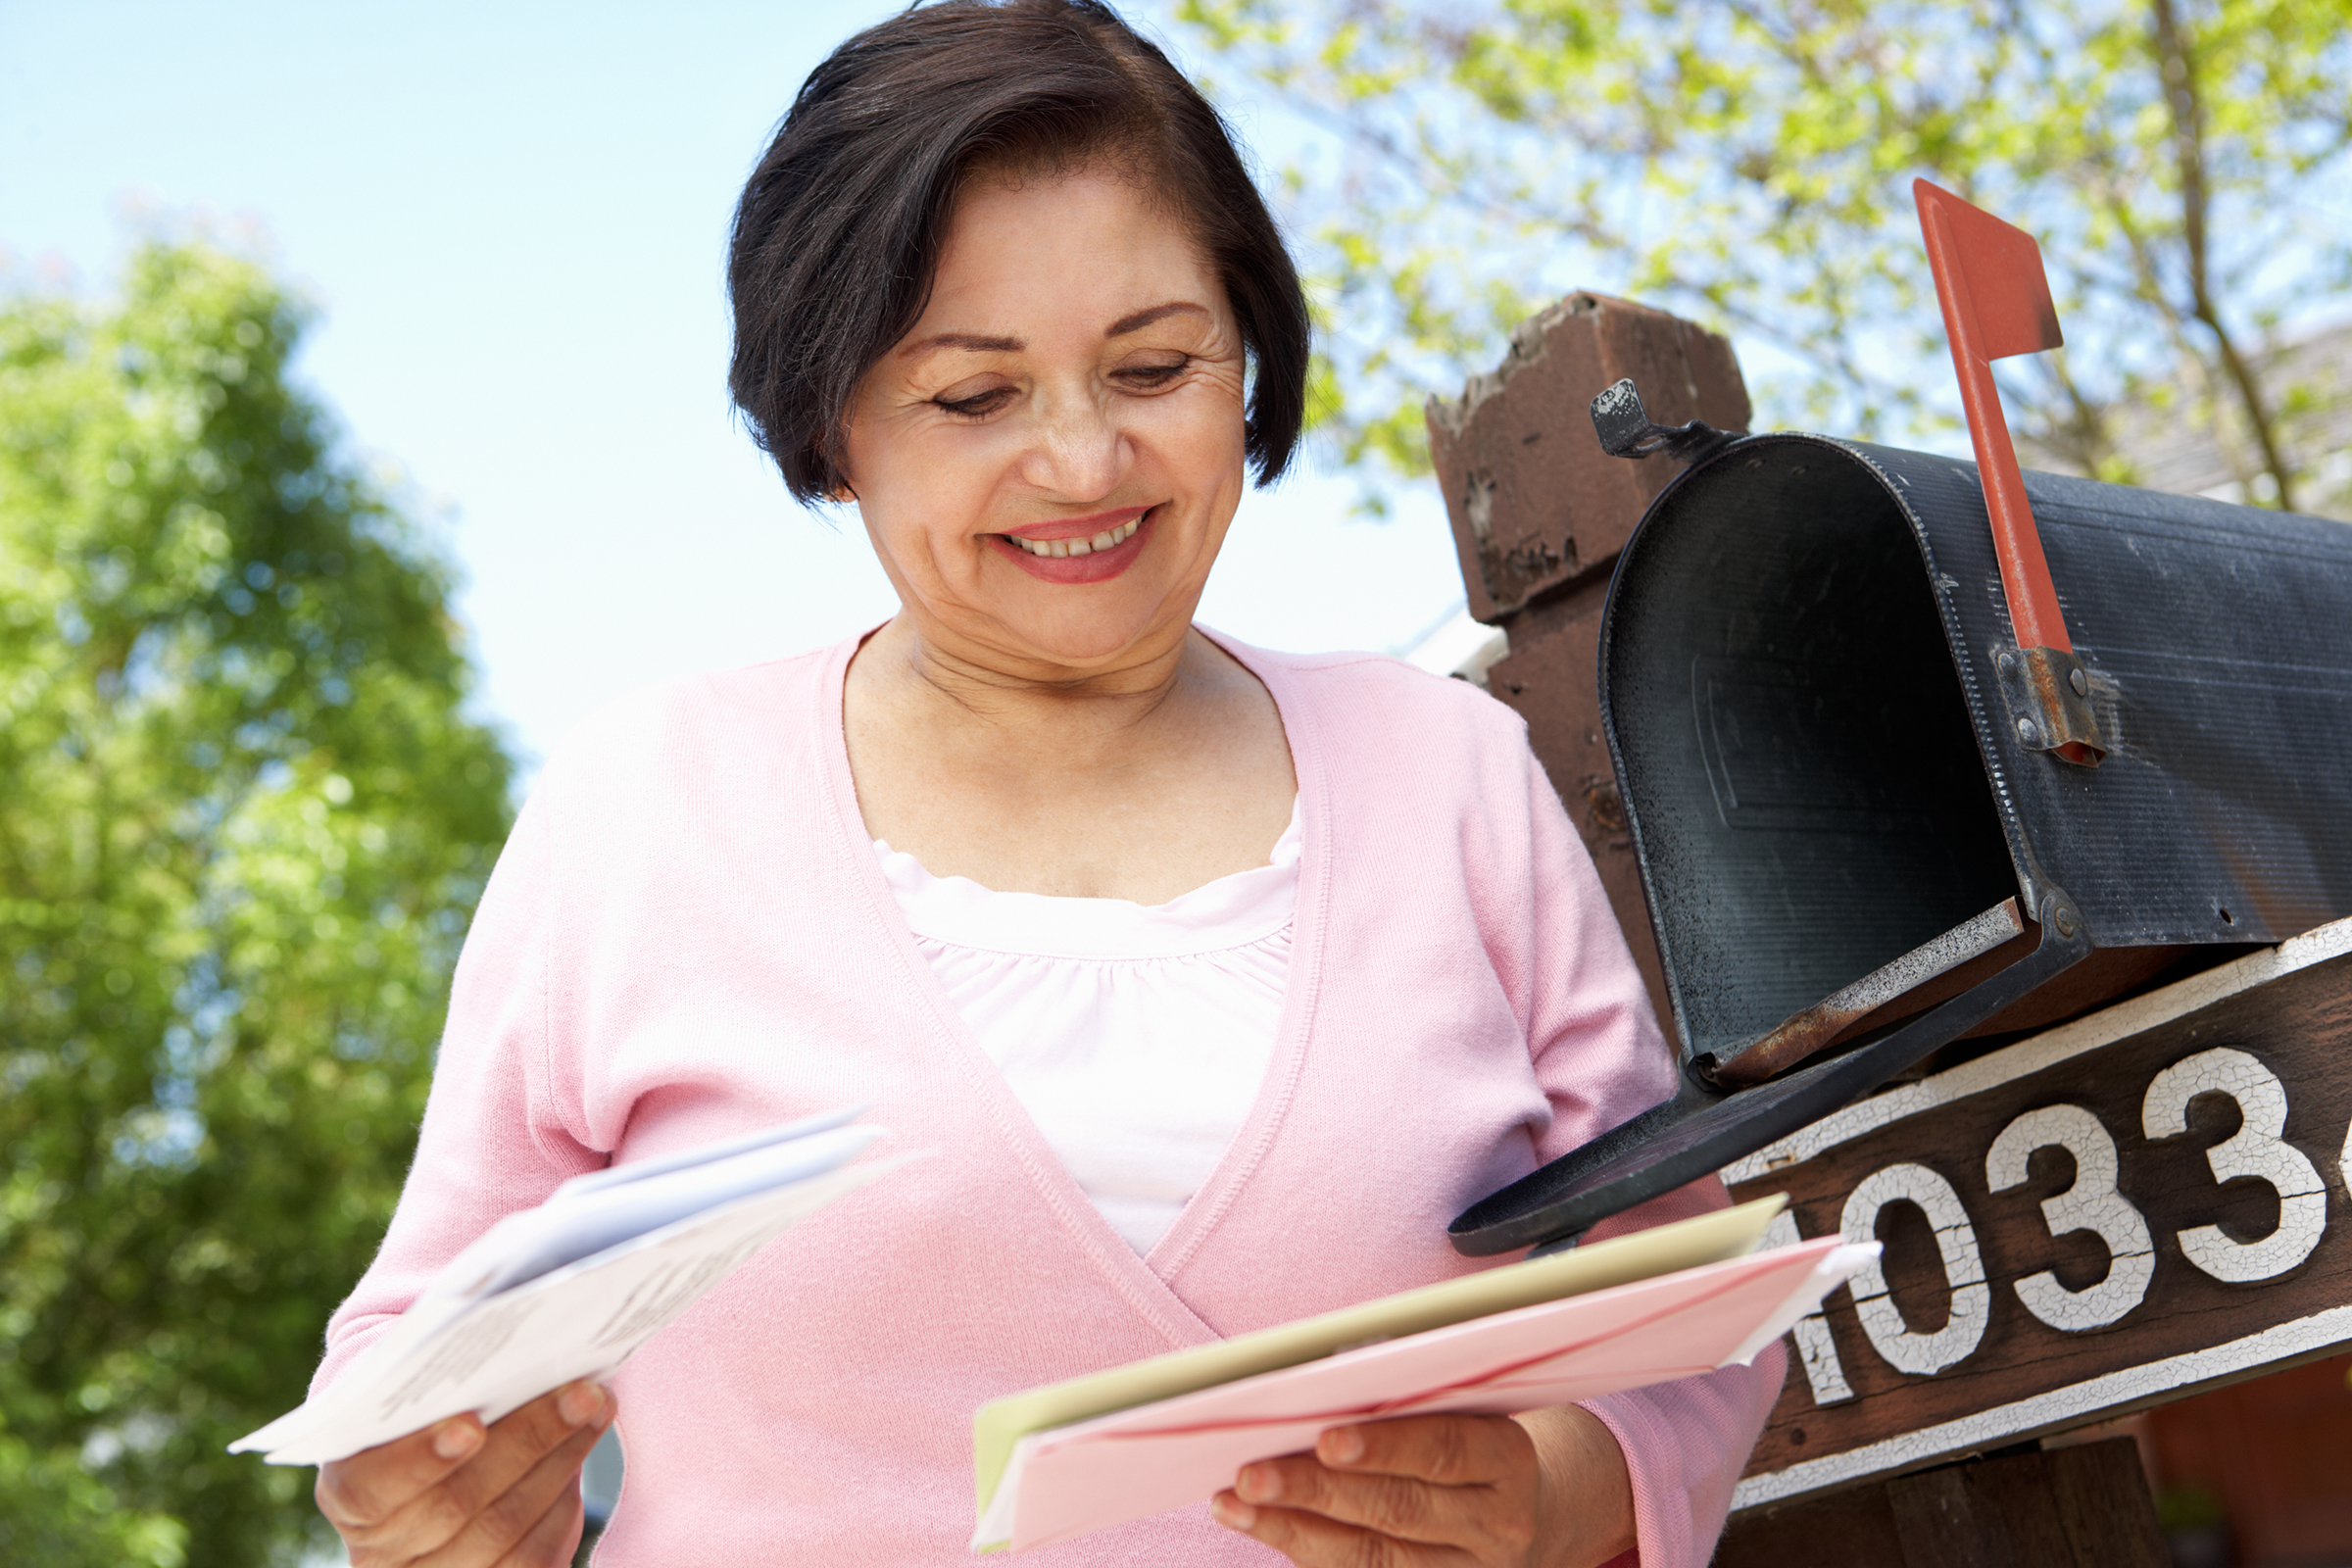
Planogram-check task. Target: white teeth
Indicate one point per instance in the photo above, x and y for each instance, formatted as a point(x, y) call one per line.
point(1061, 549)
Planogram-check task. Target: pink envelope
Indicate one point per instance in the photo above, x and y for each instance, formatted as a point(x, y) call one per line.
point(1093, 1474)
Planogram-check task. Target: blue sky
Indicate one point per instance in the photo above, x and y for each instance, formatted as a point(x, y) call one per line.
point(511, 218)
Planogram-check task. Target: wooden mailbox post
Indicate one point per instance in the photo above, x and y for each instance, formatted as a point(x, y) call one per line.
point(2137, 1205)
point(1538, 516)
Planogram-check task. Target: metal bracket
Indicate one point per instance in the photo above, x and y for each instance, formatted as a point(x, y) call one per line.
point(1626, 430)
point(2047, 692)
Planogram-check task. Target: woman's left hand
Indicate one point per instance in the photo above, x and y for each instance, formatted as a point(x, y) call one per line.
point(1459, 1490)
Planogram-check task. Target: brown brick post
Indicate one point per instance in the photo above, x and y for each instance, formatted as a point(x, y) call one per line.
point(1540, 514)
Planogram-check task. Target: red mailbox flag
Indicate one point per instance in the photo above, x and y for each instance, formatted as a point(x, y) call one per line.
point(1997, 303)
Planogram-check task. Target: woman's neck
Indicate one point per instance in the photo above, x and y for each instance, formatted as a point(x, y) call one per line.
point(1140, 781)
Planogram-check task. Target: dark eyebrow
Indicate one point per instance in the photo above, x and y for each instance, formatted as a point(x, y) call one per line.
point(970, 341)
point(1143, 318)
point(975, 343)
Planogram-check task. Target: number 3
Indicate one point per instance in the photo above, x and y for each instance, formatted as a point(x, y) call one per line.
point(2255, 1149)
point(2092, 1204)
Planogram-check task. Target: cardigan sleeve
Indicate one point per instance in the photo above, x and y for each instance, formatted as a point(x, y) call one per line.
point(1601, 1057)
point(492, 1141)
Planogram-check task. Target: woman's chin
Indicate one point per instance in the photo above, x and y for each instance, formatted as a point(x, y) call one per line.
point(1077, 624)
point(1092, 637)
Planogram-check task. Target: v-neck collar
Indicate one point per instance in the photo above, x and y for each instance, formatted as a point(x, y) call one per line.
point(1148, 1283)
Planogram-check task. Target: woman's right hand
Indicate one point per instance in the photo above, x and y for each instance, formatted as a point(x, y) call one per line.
point(457, 1495)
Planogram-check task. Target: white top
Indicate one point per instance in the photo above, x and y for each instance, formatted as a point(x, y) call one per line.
point(1136, 1038)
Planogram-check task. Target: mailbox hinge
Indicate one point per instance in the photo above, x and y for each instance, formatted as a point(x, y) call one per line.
point(1625, 431)
point(2047, 692)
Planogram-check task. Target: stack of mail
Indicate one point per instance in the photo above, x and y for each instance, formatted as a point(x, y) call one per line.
point(1660, 1305)
point(572, 1287)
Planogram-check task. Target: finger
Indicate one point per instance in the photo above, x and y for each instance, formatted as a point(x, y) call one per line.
point(1313, 1540)
point(1452, 1450)
point(514, 1446)
point(520, 1440)
point(1390, 1505)
point(502, 1523)
point(362, 1492)
point(550, 1543)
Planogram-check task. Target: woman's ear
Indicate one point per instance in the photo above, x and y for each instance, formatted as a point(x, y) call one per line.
point(842, 493)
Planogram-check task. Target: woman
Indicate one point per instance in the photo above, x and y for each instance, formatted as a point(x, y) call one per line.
point(1221, 979)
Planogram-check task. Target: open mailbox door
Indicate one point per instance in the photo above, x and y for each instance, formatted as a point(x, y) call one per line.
point(1889, 787)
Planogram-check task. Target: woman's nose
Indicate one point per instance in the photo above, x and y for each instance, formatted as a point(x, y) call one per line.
point(1078, 453)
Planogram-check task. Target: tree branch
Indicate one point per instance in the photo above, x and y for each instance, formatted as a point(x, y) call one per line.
point(2178, 68)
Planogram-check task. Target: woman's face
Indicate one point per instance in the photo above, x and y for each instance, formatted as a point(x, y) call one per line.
point(1048, 462)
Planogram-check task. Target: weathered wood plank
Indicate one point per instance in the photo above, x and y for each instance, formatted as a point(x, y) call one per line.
point(2118, 1123)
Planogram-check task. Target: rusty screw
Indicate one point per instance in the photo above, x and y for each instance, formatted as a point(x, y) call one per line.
point(2064, 919)
point(2079, 682)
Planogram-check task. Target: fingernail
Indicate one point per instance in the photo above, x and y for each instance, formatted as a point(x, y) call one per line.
point(456, 1438)
point(580, 1403)
point(1231, 1511)
point(1342, 1445)
point(1258, 1482)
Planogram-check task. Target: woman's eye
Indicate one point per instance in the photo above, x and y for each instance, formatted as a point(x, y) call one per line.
point(1151, 375)
point(979, 405)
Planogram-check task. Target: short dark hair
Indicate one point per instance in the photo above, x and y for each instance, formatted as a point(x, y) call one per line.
point(838, 231)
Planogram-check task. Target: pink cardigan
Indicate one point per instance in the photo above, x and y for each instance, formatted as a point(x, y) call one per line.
point(688, 937)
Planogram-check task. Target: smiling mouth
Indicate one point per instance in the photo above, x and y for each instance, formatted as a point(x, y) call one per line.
point(1108, 538)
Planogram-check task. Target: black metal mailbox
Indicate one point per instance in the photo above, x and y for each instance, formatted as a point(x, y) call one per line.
point(1827, 744)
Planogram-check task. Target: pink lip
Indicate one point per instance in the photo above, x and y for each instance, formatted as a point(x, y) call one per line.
point(1100, 566)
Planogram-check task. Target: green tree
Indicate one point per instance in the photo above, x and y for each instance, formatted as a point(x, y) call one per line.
point(2182, 162)
point(242, 824)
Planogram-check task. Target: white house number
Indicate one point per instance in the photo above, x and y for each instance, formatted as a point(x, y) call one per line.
point(2093, 1204)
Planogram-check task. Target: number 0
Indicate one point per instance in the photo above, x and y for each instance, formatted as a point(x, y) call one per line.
point(1905, 1350)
